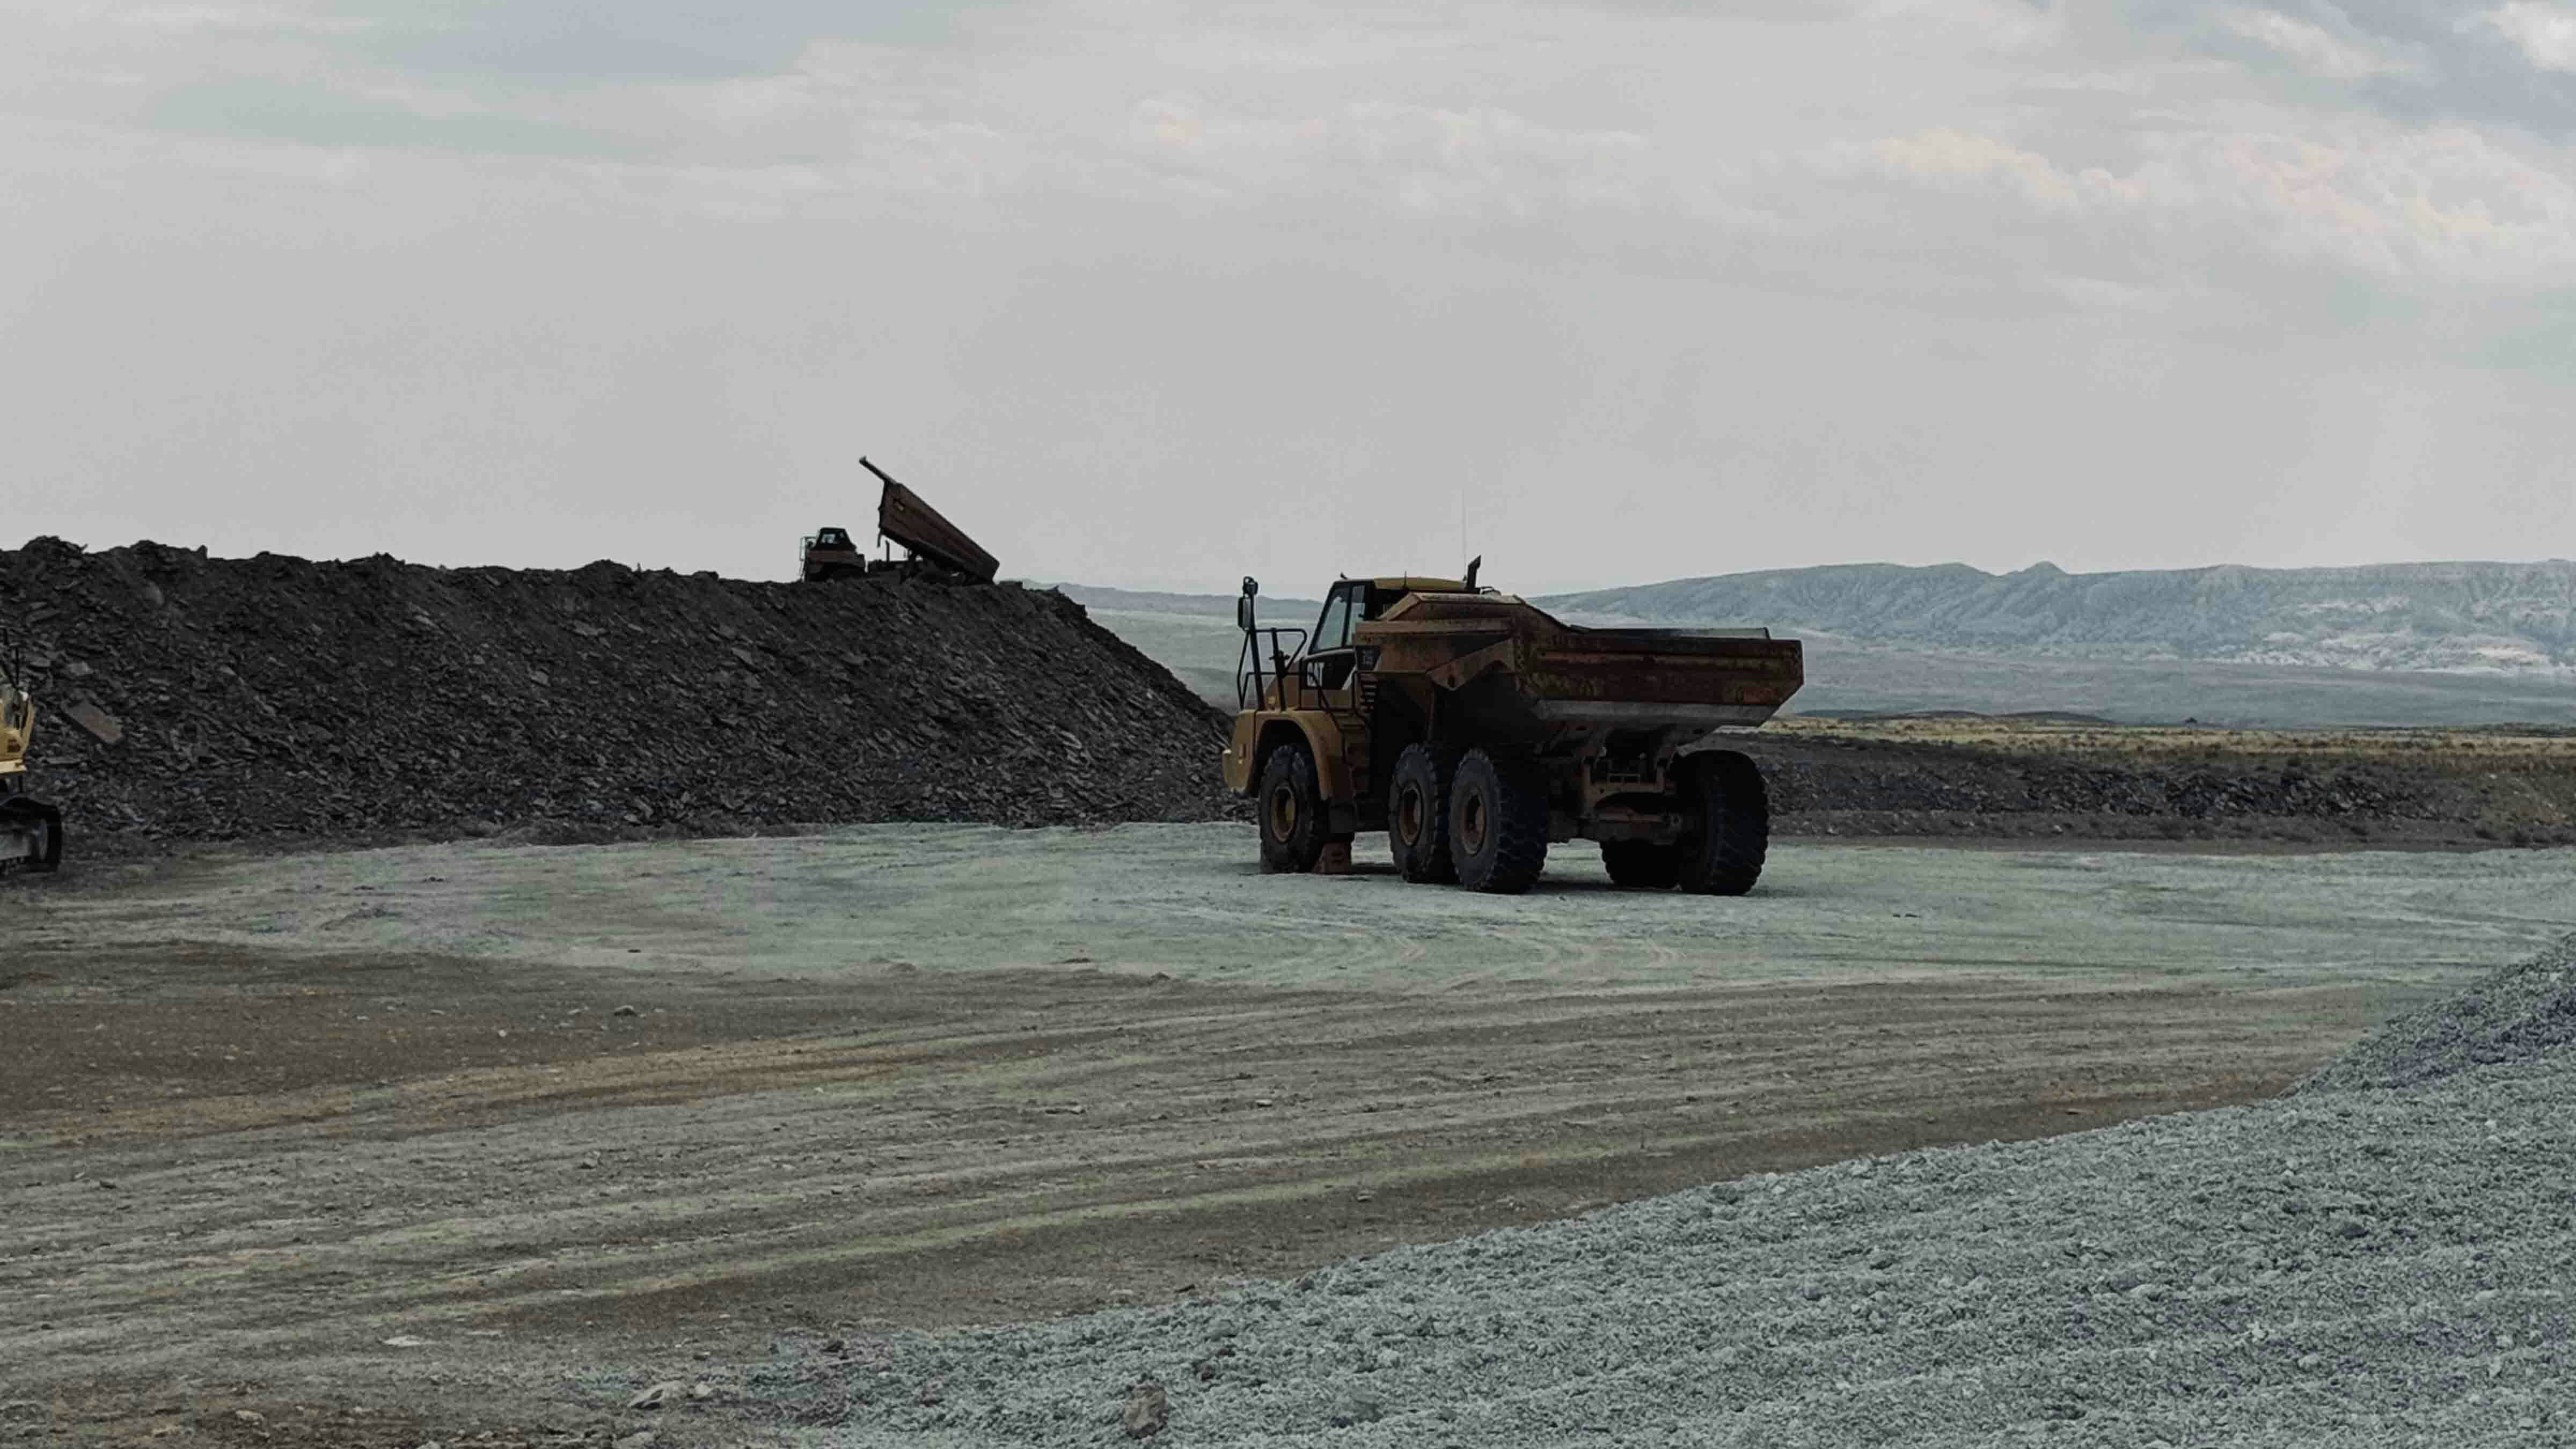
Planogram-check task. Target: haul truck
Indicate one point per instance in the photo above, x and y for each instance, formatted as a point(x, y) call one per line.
point(1476, 730)
point(933, 546)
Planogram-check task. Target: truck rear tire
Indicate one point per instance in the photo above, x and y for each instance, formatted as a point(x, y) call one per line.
point(1497, 825)
point(1291, 806)
point(1417, 816)
point(1727, 830)
point(1642, 865)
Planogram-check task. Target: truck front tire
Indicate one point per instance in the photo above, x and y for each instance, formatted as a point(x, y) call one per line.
point(1726, 829)
point(1291, 806)
point(1417, 816)
point(1497, 825)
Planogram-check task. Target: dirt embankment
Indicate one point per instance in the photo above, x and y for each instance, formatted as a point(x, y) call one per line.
point(194, 698)
point(2354, 787)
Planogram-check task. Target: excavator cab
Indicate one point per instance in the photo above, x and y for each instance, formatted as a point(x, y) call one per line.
point(31, 831)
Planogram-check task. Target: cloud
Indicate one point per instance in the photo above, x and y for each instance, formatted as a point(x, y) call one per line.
point(325, 115)
point(2545, 34)
point(2313, 48)
point(2405, 58)
point(610, 40)
point(2435, 208)
point(1006, 221)
point(1418, 158)
point(1955, 158)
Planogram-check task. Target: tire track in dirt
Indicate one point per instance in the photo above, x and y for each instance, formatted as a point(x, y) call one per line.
point(1007, 1145)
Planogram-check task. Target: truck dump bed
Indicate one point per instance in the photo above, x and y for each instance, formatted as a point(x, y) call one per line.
point(903, 517)
point(1536, 676)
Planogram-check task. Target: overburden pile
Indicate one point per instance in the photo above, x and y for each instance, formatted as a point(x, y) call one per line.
point(185, 697)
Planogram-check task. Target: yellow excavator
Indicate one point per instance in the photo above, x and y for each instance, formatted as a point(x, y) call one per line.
point(31, 831)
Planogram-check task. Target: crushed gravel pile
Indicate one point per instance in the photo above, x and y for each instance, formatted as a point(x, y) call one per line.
point(2520, 1013)
point(194, 698)
point(2334, 1268)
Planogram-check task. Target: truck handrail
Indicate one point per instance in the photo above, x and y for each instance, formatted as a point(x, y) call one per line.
point(1247, 666)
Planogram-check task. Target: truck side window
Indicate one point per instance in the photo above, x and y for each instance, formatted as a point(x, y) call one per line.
point(1334, 631)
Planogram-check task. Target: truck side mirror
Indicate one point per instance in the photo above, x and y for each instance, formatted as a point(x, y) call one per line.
point(1243, 613)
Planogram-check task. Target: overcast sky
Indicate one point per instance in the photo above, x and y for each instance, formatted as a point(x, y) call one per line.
point(1162, 292)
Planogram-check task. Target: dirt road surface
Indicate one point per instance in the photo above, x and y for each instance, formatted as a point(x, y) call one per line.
point(440, 1132)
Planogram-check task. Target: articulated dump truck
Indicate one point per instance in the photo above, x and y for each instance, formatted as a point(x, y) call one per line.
point(933, 546)
point(1475, 729)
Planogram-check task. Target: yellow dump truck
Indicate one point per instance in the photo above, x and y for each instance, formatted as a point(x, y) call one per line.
point(1476, 729)
point(31, 831)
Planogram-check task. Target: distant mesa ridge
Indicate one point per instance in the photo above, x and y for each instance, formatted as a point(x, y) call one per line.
point(2470, 617)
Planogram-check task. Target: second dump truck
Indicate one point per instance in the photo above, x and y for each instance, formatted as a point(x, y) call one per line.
point(1475, 729)
point(933, 546)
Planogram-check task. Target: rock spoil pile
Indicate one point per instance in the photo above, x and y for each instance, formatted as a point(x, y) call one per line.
point(196, 698)
point(2337, 1267)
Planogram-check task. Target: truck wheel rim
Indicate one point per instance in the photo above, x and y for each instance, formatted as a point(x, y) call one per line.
point(1408, 815)
point(1471, 824)
point(1283, 813)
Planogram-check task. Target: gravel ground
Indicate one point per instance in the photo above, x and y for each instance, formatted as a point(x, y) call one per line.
point(2354, 1264)
point(383, 1145)
point(1190, 901)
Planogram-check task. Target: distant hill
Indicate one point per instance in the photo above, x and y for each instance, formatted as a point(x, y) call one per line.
point(2484, 618)
point(1275, 609)
point(2467, 644)
point(1192, 635)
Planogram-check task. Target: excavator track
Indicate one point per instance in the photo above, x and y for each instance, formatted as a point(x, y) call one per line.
point(31, 835)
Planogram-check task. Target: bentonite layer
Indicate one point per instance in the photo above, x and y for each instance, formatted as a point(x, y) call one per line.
point(196, 698)
point(2340, 1267)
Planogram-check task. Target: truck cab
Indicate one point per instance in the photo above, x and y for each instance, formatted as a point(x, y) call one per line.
point(1315, 687)
point(829, 553)
point(1336, 650)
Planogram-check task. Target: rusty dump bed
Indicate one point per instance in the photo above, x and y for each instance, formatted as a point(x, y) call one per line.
point(1515, 663)
point(903, 517)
